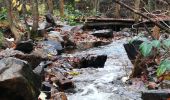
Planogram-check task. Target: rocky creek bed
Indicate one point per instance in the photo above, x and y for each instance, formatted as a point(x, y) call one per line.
point(71, 64)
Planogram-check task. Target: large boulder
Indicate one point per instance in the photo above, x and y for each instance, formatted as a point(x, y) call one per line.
point(17, 80)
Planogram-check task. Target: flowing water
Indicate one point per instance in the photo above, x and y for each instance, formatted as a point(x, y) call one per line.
point(105, 83)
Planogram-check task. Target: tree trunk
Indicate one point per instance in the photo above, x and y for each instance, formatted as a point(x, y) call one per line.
point(24, 10)
point(35, 15)
point(117, 10)
point(151, 5)
point(11, 20)
point(50, 6)
point(62, 8)
point(96, 6)
point(137, 7)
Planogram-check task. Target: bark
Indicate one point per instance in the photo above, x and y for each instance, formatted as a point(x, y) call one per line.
point(144, 16)
point(10, 17)
point(95, 6)
point(151, 5)
point(62, 8)
point(35, 15)
point(117, 10)
point(25, 19)
point(50, 6)
point(137, 7)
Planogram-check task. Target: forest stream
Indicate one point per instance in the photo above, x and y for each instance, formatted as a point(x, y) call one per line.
point(105, 83)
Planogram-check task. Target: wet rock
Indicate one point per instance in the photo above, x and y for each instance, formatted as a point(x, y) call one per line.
point(132, 49)
point(50, 47)
point(66, 28)
point(33, 59)
point(156, 95)
point(68, 44)
point(6, 44)
point(82, 45)
point(63, 82)
point(17, 80)
point(50, 19)
point(9, 53)
point(96, 61)
point(54, 35)
point(46, 88)
point(25, 46)
point(59, 96)
point(165, 84)
point(40, 68)
point(103, 33)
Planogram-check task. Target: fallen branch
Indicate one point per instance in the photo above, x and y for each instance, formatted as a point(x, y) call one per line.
point(144, 16)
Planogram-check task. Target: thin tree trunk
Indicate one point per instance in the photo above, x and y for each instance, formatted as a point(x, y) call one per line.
point(50, 6)
point(35, 15)
point(11, 20)
point(24, 10)
point(62, 8)
point(117, 10)
point(95, 6)
point(151, 5)
point(137, 7)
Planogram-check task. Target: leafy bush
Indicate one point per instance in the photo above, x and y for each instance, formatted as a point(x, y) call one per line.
point(3, 13)
point(161, 47)
point(71, 14)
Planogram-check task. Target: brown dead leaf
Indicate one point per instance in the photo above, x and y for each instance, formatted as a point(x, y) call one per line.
point(155, 32)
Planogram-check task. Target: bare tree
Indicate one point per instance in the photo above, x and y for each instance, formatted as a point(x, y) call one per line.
point(117, 10)
point(137, 7)
point(151, 5)
point(11, 20)
point(61, 8)
point(50, 6)
point(35, 15)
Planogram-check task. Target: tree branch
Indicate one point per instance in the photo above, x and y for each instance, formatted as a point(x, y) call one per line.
point(144, 16)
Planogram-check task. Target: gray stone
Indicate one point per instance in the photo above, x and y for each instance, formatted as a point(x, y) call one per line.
point(17, 80)
point(156, 95)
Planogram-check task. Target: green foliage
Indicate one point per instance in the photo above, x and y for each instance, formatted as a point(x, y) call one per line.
point(156, 43)
point(164, 45)
point(41, 9)
point(71, 14)
point(145, 48)
point(3, 13)
point(163, 67)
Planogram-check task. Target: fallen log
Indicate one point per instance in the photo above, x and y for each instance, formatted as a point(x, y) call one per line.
point(144, 16)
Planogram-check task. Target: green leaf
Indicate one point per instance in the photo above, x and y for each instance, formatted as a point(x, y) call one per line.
point(156, 43)
point(161, 71)
point(145, 48)
point(163, 67)
point(166, 43)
